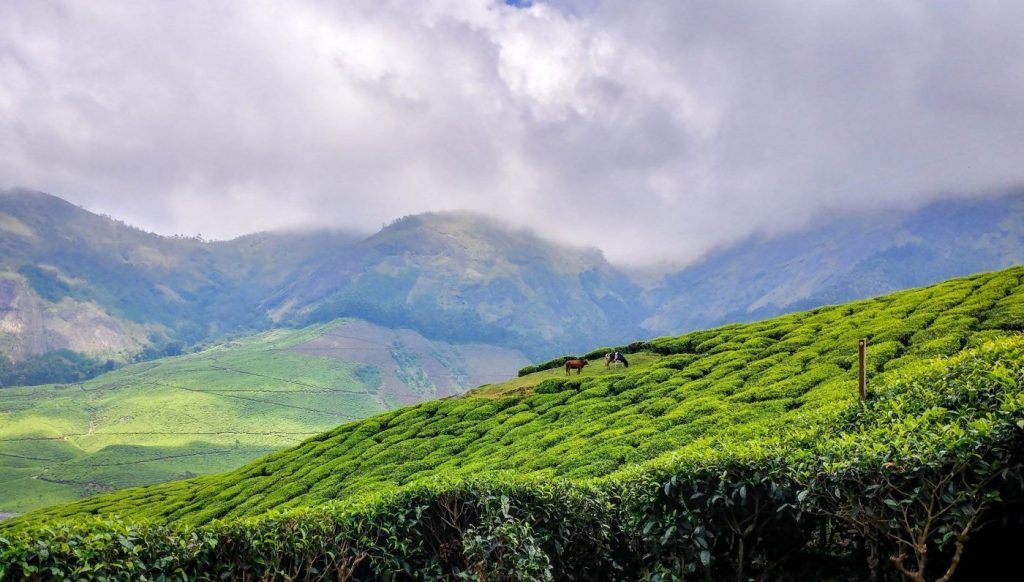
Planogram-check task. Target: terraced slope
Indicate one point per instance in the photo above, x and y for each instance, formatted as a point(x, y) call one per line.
point(214, 410)
point(739, 385)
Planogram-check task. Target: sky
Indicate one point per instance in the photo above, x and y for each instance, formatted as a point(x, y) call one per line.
point(653, 130)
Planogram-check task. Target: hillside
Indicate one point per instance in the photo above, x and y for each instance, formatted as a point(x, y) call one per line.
point(72, 279)
point(214, 410)
point(463, 277)
point(736, 453)
point(839, 260)
point(684, 397)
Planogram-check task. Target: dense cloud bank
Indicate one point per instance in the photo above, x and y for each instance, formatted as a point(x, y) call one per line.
point(654, 130)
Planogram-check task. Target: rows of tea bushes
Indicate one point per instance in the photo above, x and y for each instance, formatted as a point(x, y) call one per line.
point(736, 385)
point(907, 484)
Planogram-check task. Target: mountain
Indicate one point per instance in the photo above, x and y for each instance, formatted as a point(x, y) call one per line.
point(72, 279)
point(216, 409)
point(462, 277)
point(849, 258)
point(732, 453)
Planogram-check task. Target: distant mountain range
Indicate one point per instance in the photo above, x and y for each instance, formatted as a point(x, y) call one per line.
point(74, 280)
point(70, 279)
point(851, 258)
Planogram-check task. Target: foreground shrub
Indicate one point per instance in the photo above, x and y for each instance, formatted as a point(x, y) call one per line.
point(897, 487)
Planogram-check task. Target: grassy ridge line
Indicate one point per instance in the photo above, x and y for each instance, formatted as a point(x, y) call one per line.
point(736, 385)
point(729, 512)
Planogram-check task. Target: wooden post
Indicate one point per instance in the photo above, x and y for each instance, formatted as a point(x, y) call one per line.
point(862, 376)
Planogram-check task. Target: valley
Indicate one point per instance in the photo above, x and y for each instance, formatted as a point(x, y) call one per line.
point(436, 304)
point(216, 409)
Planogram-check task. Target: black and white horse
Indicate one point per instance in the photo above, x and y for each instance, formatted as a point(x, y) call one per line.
point(613, 357)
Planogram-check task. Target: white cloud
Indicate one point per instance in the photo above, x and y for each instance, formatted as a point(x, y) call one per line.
point(650, 129)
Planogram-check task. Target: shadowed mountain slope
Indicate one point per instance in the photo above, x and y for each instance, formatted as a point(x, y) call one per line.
point(844, 259)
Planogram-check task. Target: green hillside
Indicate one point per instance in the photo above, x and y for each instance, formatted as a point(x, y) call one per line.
point(465, 277)
point(733, 453)
point(214, 410)
point(71, 279)
point(687, 396)
point(95, 285)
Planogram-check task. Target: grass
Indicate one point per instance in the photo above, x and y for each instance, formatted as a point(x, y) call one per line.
point(685, 397)
point(594, 369)
point(214, 410)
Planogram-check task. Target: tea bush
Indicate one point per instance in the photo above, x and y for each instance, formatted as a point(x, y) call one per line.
point(738, 452)
point(733, 385)
point(899, 484)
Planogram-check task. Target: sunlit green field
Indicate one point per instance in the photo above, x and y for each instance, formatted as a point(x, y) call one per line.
point(737, 386)
point(214, 410)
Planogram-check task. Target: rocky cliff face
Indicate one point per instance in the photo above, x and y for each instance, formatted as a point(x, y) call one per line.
point(30, 325)
point(22, 332)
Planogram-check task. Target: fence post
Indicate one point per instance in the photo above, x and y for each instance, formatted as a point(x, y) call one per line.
point(862, 376)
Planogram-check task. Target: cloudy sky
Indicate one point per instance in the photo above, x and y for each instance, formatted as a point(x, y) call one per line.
point(651, 129)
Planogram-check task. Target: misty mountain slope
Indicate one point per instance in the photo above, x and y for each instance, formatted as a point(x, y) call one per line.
point(456, 277)
point(66, 272)
point(851, 258)
point(73, 279)
point(217, 409)
point(464, 277)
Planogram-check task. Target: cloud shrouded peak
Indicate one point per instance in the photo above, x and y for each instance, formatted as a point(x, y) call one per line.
point(654, 130)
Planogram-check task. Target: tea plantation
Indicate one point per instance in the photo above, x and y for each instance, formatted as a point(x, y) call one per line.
point(215, 410)
point(736, 452)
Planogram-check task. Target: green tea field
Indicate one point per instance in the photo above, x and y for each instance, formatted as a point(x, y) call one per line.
point(741, 452)
point(684, 397)
point(214, 410)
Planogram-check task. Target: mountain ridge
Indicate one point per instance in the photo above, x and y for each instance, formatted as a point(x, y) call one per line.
point(178, 290)
point(453, 276)
point(853, 258)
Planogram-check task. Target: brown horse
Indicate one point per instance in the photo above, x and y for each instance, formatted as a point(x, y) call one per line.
point(575, 365)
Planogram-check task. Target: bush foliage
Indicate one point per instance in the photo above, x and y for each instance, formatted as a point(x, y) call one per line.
point(908, 476)
point(54, 367)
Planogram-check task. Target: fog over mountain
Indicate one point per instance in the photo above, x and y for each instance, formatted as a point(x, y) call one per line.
point(74, 280)
point(70, 279)
point(653, 130)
